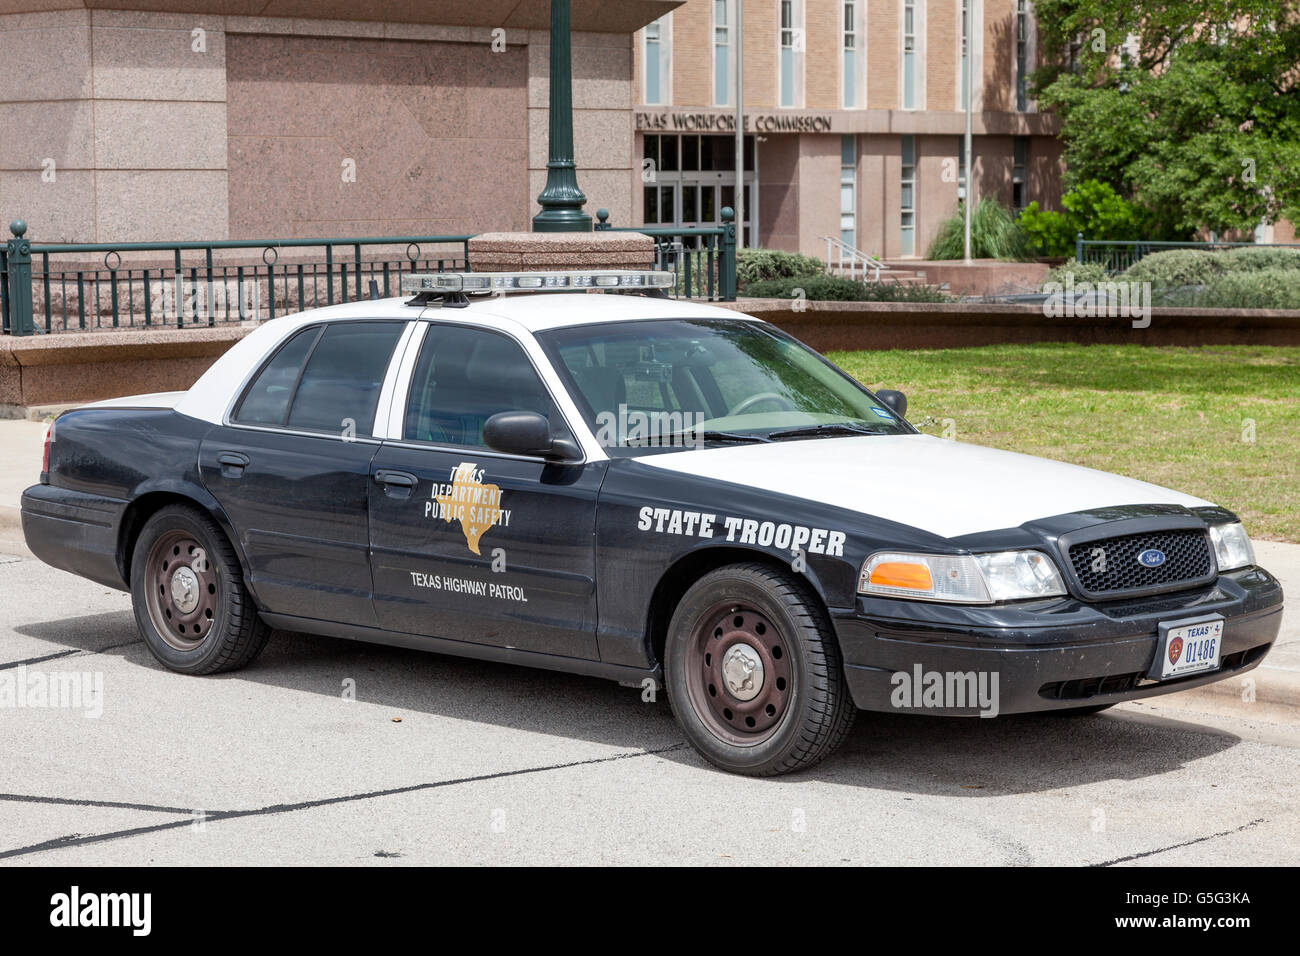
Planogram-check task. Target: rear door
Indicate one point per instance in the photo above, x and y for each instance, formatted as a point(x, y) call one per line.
point(292, 469)
point(467, 543)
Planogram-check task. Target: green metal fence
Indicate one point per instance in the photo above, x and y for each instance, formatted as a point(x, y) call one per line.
point(56, 287)
point(1118, 255)
point(702, 258)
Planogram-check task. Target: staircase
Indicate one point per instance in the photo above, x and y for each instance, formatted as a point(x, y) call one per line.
point(847, 262)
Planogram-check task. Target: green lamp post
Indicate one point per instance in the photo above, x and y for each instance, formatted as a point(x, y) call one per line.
point(561, 199)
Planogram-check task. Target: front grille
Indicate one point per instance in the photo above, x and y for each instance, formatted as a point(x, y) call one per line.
point(1110, 566)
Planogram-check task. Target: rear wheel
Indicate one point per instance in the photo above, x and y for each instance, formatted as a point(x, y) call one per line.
point(191, 605)
point(754, 672)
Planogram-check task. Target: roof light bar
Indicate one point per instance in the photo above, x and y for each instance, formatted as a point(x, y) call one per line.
point(450, 282)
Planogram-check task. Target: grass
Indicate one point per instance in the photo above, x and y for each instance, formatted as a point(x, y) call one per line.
point(1179, 417)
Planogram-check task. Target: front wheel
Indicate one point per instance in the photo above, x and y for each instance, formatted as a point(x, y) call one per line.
point(754, 672)
point(187, 587)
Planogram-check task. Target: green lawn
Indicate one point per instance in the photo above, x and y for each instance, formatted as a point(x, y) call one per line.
point(1179, 417)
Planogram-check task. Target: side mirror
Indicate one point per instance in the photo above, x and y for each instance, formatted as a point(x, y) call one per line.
point(527, 433)
point(895, 400)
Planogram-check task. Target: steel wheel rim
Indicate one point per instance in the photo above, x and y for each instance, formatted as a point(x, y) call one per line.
point(719, 698)
point(182, 590)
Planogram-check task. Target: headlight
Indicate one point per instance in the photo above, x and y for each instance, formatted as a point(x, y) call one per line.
point(961, 579)
point(1231, 546)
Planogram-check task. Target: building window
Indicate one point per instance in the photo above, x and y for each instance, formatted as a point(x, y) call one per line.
point(1022, 51)
point(791, 52)
point(849, 190)
point(851, 68)
point(911, 54)
point(961, 168)
point(657, 60)
point(908, 205)
point(721, 52)
point(963, 52)
point(1018, 164)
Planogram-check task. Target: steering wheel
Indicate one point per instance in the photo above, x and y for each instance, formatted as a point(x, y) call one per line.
point(753, 400)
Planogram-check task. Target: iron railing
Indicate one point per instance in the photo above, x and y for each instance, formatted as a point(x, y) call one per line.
point(57, 287)
point(702, 258)
point(1117, 255)
point(850, 260)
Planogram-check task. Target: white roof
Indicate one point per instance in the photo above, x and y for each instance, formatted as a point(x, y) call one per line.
point(519, 313)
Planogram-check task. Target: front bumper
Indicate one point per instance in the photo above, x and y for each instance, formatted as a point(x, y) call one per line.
point(1043, 655)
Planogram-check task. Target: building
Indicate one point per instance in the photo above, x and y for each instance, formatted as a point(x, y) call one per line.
point(189, 119)
point(323, 118)
point(853, 118)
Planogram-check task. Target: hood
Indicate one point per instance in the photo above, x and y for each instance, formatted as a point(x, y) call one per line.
point(945, 487)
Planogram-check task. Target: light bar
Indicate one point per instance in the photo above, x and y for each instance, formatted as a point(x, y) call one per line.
point(533, 281)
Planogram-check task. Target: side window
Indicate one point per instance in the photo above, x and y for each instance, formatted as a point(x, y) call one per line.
point(341, 381)
point(266, 402)
point(463, 378)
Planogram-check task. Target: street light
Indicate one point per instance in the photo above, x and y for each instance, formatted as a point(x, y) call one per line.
point(740, 126)
point(561, 199)
point(966, 144)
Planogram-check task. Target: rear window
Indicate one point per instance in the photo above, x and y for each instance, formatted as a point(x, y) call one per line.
point(328, 382)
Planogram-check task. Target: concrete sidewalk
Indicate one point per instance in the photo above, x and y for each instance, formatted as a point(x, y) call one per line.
point(1273, 686)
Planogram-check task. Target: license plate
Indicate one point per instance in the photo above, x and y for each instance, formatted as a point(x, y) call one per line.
point(1187, 647)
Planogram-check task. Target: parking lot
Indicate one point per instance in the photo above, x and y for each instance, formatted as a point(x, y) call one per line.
point(441, 760)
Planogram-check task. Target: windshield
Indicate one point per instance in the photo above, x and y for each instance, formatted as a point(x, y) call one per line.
point(670, 383)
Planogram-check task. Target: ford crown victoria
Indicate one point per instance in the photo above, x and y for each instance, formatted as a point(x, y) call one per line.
point(517, 467)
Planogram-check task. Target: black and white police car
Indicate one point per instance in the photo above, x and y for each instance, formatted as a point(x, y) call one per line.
point(508, 466)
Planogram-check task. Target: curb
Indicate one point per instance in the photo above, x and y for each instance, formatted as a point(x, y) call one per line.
point(1271, 687)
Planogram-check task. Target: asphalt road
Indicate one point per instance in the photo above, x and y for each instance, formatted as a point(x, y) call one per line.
point(443, 760)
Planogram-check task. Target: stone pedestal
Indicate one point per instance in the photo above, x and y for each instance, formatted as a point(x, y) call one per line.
point(555, 251)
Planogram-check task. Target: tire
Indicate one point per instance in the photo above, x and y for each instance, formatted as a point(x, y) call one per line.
point(192, 609)
point(798, 708)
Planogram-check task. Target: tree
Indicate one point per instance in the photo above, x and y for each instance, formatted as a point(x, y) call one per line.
point(1191, 109)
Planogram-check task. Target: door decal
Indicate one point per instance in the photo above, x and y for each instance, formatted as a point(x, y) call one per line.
point(467, 499)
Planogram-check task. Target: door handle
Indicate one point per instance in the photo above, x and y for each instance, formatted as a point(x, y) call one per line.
point(397, 484)
point(232, 464)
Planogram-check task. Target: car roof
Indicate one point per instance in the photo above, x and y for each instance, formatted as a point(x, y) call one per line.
point(518, 313)
point(529, 311)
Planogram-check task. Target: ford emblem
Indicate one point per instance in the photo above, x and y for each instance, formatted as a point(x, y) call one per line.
point(1151, 558)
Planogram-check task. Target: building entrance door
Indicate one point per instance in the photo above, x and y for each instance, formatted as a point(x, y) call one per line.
point(690, 178)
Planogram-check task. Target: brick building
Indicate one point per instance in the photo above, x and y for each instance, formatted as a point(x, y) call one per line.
point(195, 119)
point(853, 113)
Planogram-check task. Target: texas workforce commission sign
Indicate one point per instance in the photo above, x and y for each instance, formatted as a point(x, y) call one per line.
point(706, 122)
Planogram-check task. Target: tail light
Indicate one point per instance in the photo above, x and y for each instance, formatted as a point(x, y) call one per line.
point(45, 455)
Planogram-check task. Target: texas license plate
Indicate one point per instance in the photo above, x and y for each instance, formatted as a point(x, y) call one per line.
point(1187, 647)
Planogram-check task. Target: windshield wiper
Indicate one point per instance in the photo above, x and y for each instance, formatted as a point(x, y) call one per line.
point(689, 437)
point(830, 428)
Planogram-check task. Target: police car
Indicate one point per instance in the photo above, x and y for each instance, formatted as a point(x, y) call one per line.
point(570, 470)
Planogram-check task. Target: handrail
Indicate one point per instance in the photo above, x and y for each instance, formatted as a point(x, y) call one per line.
point(840, 248)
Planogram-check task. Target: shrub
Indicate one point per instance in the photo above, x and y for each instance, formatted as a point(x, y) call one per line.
point(828, 288)
point(1092, 208)
point(1082, 271)
point(1262, 289)
point(1177, 267)
point(757, 265)
point(994, 234)
point(1253, 258)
